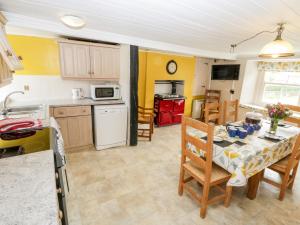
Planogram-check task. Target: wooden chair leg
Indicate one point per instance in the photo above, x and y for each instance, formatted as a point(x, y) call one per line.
point(152, 126)
point(181, 178)
point(262, 174)
point(204, 200)
point(228, 195)
point(283, 186)
point(293, 176)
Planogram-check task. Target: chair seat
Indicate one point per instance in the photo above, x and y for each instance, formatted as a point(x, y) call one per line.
point(217, 174)
point(281, 165)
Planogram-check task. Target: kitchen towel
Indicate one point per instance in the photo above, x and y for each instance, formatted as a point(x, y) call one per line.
point(10, 124)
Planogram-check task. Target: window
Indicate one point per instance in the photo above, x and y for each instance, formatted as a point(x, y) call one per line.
point(281, 87)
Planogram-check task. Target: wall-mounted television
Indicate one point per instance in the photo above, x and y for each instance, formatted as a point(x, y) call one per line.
point(225, 72)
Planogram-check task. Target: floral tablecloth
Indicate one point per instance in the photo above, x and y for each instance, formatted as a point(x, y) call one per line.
point(244, 161)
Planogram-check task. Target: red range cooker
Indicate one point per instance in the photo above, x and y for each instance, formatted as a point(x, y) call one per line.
point(168, 109)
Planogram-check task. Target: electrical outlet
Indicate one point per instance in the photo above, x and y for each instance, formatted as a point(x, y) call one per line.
point(26, 87)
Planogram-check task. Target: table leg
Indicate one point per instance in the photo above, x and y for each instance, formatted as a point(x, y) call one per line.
point(253, 183)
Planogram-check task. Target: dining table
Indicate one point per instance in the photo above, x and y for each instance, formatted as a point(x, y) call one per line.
point(246, 159)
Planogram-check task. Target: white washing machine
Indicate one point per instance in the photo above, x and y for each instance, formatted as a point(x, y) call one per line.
point(110, 126)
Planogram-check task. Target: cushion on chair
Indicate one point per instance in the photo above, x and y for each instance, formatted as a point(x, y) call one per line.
point(217, 172)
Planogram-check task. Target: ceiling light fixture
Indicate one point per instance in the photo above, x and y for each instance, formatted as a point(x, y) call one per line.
point(275, 49)
point(72, 21)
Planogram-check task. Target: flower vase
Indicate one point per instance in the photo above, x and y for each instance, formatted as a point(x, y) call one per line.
point(274, 125)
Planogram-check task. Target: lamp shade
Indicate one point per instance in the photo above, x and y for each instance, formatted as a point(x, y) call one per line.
point(277, 49)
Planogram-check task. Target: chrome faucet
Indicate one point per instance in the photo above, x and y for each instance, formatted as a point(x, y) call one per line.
point(5, 109)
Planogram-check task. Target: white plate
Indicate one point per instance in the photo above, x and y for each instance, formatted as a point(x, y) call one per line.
point(272, 136)
point(217, 139)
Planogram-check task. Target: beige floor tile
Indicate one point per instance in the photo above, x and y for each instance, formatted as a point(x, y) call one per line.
point(138, 186)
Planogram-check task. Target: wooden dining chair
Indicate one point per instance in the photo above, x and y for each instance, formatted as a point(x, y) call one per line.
point(145, 122)
point(231, 111)
point(287, 169)
point(213, 112)
point(210, 96)
point(293, 119)
point(199, 167)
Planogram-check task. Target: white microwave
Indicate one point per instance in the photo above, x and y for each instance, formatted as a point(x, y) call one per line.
point(105, 92)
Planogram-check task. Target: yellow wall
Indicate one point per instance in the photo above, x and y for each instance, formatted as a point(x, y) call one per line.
point(40, 55)
point(152, 66)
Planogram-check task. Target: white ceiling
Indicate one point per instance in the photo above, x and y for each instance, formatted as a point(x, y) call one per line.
point(206, 26)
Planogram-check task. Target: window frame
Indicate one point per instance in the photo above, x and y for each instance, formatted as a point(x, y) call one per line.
point(261, 86)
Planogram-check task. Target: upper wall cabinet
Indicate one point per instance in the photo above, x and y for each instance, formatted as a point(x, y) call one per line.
point(89, 61)
point(9, 61)
point(5, 73)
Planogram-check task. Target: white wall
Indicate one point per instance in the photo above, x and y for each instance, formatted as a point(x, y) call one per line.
point(42, 87)
point(125, 73)
point(249, 86)
point(201, 76)
point(226, 85)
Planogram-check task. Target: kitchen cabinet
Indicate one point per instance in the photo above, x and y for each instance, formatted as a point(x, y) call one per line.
point(75, 60)
point(5, 73)
point(75, 124)
point(105, 62)
point(89, 61)
point(9, 61)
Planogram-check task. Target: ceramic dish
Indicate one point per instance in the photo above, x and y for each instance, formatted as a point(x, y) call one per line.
point(218, 139)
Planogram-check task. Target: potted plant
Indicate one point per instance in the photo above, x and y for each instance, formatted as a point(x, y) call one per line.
point(277, 112)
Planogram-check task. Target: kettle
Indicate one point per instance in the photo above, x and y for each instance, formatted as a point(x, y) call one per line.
point(77, 93)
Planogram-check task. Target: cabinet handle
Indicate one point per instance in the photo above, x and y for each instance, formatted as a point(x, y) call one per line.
point(60, 214)
point(60, 113)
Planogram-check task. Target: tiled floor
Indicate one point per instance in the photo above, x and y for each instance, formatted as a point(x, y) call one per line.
point(138, 185)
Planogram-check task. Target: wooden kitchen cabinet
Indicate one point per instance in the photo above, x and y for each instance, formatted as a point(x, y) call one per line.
point(9, 61)
point(75, 61)
point(105, 62)
point(89, 61)
point(5, 73)
point(75, 124)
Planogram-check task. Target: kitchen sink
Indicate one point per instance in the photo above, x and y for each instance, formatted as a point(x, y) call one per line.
point(24, 109)
point(33, 111)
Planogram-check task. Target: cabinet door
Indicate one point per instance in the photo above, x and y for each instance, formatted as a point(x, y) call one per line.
point(80, 131)
point(74, 60)
point(63, 123)
point(105, 62)
point(82, 61)
point(5, 73)
point(74, 131)
point(86, 134)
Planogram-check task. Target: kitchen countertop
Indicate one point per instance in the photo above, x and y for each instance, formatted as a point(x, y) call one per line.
point(28, 190)
point(85, 101)
point(66, 102)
